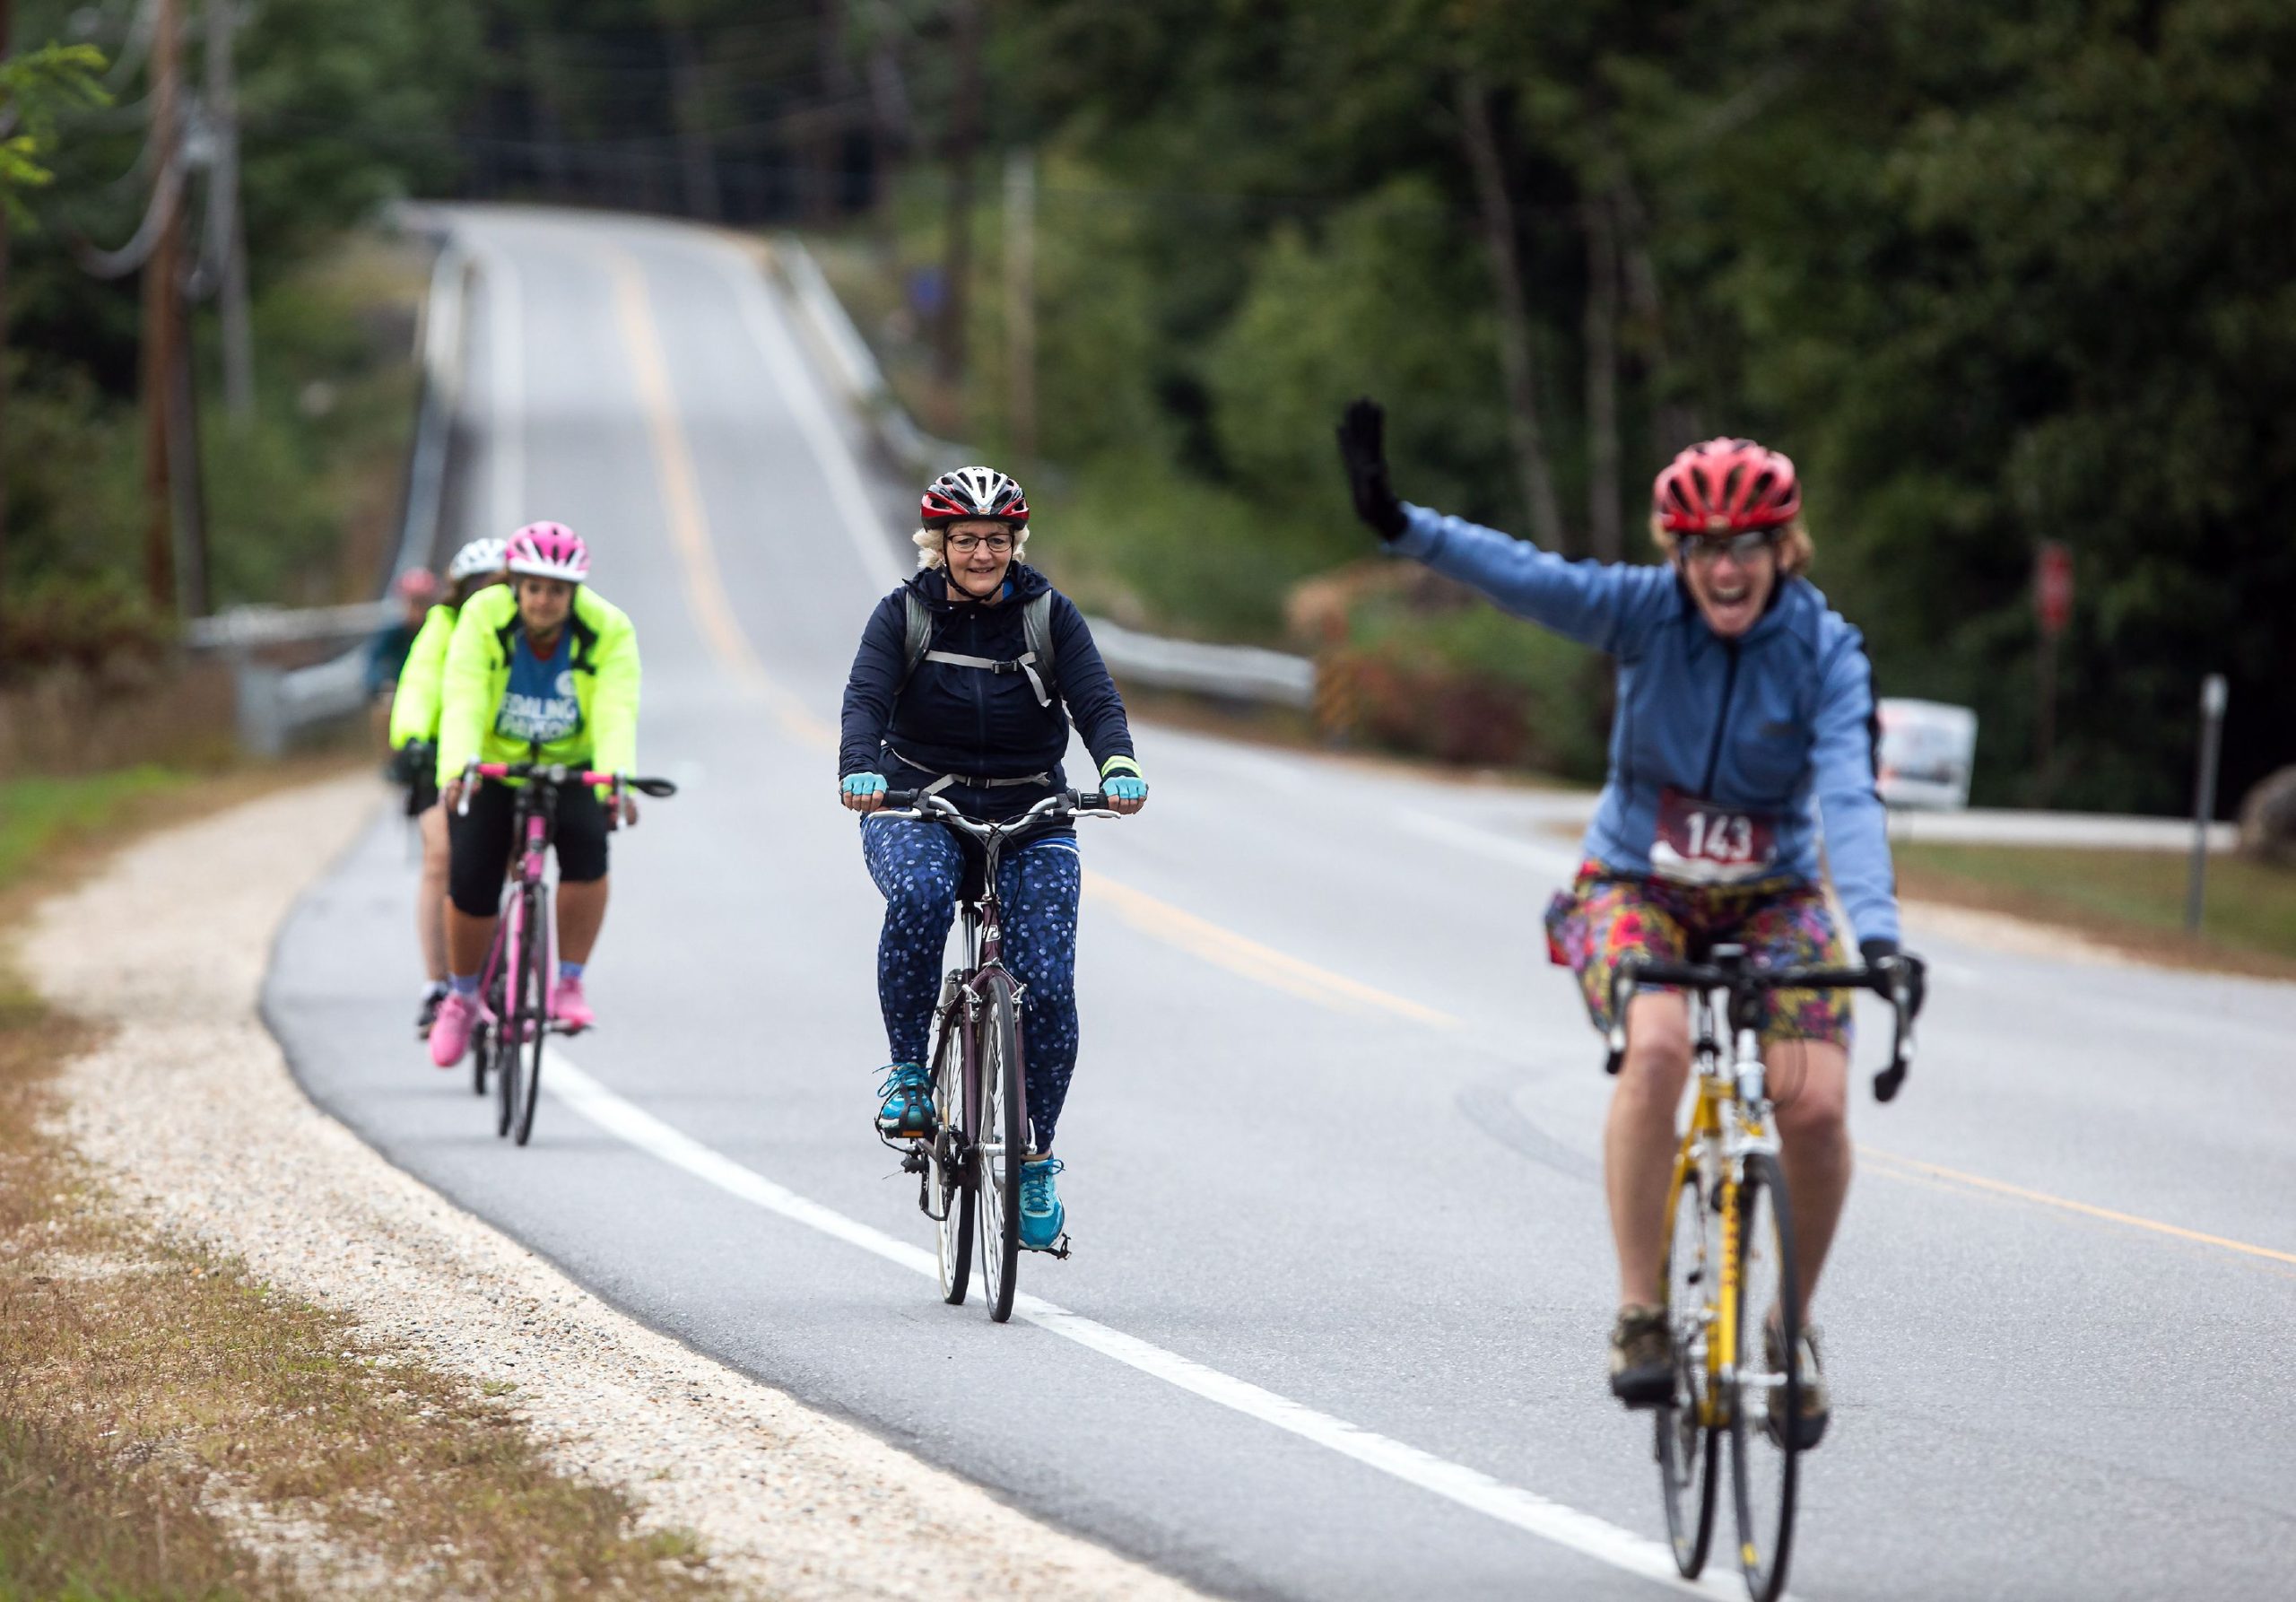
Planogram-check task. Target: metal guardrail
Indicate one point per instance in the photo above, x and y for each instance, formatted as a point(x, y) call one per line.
point(1229, 671)
point(253, 627)
point(273, 704)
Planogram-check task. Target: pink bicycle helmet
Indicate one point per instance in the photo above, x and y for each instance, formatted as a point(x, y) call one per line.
point(549, 551)
point(416, 583)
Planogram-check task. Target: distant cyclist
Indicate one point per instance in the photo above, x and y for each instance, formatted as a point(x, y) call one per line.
point(414, 590)
point(1744, 733)
point(960, 687)
point(541, 669)
point(414, 753)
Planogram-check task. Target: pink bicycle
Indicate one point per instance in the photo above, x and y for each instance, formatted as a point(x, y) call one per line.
point(514, 987)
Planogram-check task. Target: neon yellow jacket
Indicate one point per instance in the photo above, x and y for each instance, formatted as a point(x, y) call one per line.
point(415, 705)
point(478, 672)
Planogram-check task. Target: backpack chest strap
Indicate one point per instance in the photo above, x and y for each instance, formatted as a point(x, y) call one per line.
point(1024, 664)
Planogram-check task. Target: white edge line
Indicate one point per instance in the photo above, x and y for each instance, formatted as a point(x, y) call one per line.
point(1471, 1488)
point(805, 399)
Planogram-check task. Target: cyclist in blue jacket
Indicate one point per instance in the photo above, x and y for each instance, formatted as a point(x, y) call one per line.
point(969, 705)
point(1744, 733)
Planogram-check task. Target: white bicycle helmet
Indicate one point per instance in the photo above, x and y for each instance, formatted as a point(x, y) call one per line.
point(478, 558)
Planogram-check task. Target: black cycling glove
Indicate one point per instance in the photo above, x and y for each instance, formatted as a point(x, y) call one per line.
point(1880, 952)
point(1364, 453)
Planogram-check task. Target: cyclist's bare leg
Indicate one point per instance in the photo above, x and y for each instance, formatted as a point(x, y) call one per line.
point(1639, 1138)
point(1809, 1086)
point(430, 896)
point(467, 940)
point(581, 913)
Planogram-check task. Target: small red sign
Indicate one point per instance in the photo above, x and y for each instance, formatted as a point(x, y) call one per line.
point(2053, 585)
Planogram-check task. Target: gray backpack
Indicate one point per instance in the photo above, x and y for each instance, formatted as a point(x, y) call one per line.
point(1036, 629)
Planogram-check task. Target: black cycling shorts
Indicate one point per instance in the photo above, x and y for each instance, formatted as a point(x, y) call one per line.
point(480, 841)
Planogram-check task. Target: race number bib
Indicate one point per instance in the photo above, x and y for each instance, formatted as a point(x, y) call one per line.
point(1700, 842)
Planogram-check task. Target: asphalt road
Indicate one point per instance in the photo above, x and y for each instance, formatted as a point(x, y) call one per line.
point(1334, 1326)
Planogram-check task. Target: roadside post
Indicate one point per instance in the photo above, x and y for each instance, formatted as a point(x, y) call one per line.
point(2213, 694)
point(2052, 609)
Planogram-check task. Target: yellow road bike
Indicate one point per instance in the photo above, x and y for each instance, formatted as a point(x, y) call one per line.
point(1733, 1307)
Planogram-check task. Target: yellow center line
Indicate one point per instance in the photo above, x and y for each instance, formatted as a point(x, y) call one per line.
point(689, 520)
point(722, 632)
point(2066, 1205)
point(1238, 954)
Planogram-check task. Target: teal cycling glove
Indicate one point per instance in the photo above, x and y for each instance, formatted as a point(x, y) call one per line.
point(1120, 779)
point(861, 783)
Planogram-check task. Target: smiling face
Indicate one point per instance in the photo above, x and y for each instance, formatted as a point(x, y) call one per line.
point(978, 551)
point(1731, 580)
point(543, 604)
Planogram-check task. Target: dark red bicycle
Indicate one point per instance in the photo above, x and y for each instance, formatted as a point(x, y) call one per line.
point(969, 1162)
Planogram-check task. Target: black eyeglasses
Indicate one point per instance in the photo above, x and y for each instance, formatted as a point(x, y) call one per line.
point(965, 544)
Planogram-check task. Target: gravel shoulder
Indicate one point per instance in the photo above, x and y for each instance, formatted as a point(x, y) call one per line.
point(187, 1111)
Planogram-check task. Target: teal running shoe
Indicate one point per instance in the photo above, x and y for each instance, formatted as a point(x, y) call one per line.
point(1041, 1214)
point(907, 1110)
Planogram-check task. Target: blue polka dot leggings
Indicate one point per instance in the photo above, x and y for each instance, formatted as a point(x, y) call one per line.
point(918, 868)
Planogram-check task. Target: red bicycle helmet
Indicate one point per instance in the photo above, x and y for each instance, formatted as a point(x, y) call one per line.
point(1726, 486)
point(975, 492)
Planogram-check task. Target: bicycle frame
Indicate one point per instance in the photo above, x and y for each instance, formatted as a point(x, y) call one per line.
point(1730, 1118)
point(983, 917)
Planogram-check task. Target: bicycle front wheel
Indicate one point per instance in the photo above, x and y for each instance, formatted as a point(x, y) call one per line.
point(537, 1030)
point(508, 997)
point(1764, 1451)
point(1688, 1446)
point(945, 1172)
point(1000, 1146)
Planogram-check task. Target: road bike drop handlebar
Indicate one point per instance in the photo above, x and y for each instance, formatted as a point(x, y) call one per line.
point(1893, 983)
point(559, 774)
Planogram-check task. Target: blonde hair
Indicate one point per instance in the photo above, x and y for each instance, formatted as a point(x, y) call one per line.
point(1796, 549)
point(927, 541)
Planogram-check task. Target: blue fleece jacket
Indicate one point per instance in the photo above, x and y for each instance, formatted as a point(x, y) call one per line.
point(952, 720)
point(1780, 720)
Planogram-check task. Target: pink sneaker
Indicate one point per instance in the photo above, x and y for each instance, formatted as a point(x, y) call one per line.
point(450, 1030)
point(569, 1007)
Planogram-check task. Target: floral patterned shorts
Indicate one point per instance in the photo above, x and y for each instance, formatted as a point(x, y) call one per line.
point(1604, 918)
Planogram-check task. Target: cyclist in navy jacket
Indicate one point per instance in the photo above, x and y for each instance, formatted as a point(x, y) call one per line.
point(960, 687)
point(1744, 737)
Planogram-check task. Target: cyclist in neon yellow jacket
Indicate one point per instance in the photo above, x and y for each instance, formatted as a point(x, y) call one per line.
point(543, 670)
point(414, 752)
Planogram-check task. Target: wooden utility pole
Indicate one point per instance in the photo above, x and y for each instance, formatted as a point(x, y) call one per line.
point(7, 21)
point(162, 316)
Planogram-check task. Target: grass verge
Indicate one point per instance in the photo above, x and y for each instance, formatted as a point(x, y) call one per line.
point(171, 1426)
point(2131, 900)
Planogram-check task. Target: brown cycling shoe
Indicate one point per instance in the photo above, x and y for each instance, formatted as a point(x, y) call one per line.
point(1642, 1358)
point(1817, 1409)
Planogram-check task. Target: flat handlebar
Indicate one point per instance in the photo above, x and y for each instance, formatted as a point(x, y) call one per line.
point(558, 773)
point(1893, 983)
point(933, 807)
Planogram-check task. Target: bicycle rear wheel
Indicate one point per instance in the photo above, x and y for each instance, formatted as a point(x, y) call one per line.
point(1764, 1451)
point(537, 989)
point(949, 1185)
point(1688, 1448)
point(1001, 1143)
